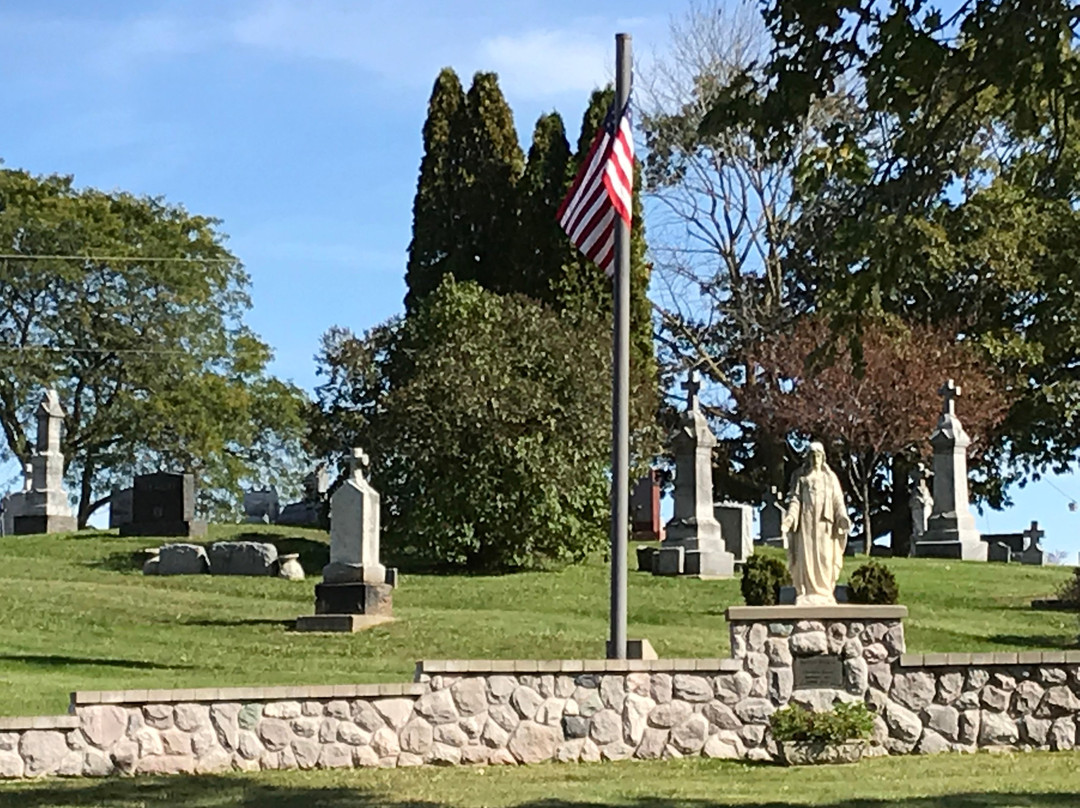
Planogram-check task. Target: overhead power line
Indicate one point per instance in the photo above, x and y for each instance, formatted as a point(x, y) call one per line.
point(19, 257)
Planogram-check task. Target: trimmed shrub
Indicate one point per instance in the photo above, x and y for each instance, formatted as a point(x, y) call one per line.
point(762, 577)
point(873, 583)
point(844, 722)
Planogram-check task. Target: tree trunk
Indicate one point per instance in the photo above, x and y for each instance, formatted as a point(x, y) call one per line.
point(900, 516)
point(86, 493)
point(868, 531)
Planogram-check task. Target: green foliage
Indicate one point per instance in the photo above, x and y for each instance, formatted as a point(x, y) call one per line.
point(487, 420)
point(873, 583)
point(1069, 591)
point(144, 340)
point(762, 577)
point(948, 194)
point(844, 722)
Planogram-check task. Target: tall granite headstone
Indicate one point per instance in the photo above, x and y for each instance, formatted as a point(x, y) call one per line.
point(45, 507)
point(355, 582)
point(163, 504)
point(772, 517)
point(694, 542)
point(645, 509)
point(121, 502)
point(950, 530)
point(736, 526)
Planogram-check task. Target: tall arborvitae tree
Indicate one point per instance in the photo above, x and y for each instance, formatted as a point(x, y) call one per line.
point(490, 163)
point(437, 205)
point(543, 248)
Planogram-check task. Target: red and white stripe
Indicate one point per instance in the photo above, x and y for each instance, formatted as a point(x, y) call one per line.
point(602, 189)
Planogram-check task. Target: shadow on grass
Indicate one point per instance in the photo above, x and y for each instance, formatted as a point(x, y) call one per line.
point(288, 624)
point(1036, 641)
point(225, 792)
point(122, 561)
point(53, 660)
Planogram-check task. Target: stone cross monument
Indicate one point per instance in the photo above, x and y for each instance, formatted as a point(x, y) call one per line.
point(950, 530)
point(45, 507)
point(357, 588)
point(693, 543)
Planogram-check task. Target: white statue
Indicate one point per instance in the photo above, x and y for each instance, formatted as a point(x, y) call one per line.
point(816, 523)
point(921, 502)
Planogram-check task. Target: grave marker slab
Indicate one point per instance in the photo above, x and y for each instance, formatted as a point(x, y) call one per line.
point(163, 504)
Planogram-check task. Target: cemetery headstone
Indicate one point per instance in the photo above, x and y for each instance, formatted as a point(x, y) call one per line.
point(13, 503)
point(121, 501)
point(772, 517)
point(694, 542)
point(998, 552)
point(736, 526)
point(182, 559)
point(45, 507)
point(1033, 552)
point(163, 504)
point(645, 509)
point(242, 558)
point(311, 510)
point(355, 582)
point(261, 506)
point(950, 531)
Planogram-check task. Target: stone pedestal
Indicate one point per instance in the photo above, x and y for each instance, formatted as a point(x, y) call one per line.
point(354, 598)
point(693, 539)
point(950, 530)
point(44, 507)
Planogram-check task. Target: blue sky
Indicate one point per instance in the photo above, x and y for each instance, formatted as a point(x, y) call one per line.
point(297, 123)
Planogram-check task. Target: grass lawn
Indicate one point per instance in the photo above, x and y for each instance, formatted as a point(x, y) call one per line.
point(1031, 780)
point(76, 615)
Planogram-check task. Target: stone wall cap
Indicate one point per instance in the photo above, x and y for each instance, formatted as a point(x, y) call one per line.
point(22, 722)
point(567, 666)
point(289, 693)
point(844, 611)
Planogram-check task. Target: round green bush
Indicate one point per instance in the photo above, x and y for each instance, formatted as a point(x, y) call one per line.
point(762, 577)
point(873, 583)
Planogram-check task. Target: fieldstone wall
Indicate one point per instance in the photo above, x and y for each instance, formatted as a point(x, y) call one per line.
point(527, 711)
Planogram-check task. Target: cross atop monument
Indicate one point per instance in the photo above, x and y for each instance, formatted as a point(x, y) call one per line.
point(1034, 536)
point(358, 462)
point(949, 392)
point(692, 385)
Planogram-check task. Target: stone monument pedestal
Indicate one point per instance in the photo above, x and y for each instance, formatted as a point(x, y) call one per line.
point(37, 523)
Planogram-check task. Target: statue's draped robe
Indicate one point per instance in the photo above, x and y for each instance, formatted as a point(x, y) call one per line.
point(816, 545)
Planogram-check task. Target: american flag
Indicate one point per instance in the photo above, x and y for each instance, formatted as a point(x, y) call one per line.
point(604, 187)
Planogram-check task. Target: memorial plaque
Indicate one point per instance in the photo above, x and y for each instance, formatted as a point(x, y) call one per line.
point(818, 671)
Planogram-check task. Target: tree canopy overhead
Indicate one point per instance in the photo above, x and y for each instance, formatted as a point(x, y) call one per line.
point(143, 337)
point(948, 192)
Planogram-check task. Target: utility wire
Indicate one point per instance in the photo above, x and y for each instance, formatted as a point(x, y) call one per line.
point(19, 257)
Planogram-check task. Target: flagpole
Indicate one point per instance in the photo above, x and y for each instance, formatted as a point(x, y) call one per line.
point(620, 394)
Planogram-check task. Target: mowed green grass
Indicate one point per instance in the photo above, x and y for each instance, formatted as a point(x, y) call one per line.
point(75, 614)
point(1033, 780)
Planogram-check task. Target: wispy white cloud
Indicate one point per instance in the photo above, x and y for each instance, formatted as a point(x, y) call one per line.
point(549, 62)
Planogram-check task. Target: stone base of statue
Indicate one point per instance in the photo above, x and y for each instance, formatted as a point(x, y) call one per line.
point(694, 548)
point(25, 525)
point(950, 536)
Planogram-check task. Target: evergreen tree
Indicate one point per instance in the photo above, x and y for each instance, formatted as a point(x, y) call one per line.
point(437, 205)
point(544, 248)
point(489, 162)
